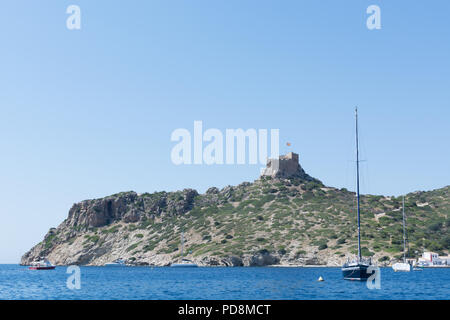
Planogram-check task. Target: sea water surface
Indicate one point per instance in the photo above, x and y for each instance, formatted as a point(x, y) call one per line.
point(17, 282)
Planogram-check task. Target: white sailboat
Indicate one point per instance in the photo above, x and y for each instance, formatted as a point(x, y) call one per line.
point(403, 266)
point(185, 263)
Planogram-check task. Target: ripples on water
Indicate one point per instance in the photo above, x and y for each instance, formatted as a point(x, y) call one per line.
point(18, 282)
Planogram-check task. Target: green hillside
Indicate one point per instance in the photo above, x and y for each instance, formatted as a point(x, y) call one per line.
point(270, 221)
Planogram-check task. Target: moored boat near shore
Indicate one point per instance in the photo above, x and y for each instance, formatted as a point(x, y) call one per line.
point(357, 269)
point(403, 266)
point(41, 265)
point(116, 263)
point(185, 263)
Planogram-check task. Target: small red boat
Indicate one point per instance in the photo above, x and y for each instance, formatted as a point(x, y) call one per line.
point(41, 265)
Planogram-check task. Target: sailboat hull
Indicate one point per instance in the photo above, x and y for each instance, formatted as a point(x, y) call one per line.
point(356, 272)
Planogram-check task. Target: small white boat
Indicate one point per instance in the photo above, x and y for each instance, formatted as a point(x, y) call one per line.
point(116, 263)
point(401, 266)
point(185, 263)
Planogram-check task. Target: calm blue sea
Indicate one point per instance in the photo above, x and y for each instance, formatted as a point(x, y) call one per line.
point(17, 282)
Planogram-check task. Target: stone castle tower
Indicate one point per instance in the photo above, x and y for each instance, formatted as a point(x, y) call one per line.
point(285, 166)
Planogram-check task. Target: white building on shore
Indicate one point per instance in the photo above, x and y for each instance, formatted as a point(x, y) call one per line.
point(432, 259)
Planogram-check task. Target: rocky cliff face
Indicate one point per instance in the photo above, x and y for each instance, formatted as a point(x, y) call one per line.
point(91, 215)
point(292, 220)
point(129, 207)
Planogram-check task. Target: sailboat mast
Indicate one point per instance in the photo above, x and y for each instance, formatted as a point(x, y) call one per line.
point(357, 185)
point(404, 231)
point(182, 243)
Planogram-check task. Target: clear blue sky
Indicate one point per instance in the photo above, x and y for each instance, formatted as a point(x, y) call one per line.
point(88, 113)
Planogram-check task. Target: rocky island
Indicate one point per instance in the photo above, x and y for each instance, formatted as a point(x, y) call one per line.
point(285, 217)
